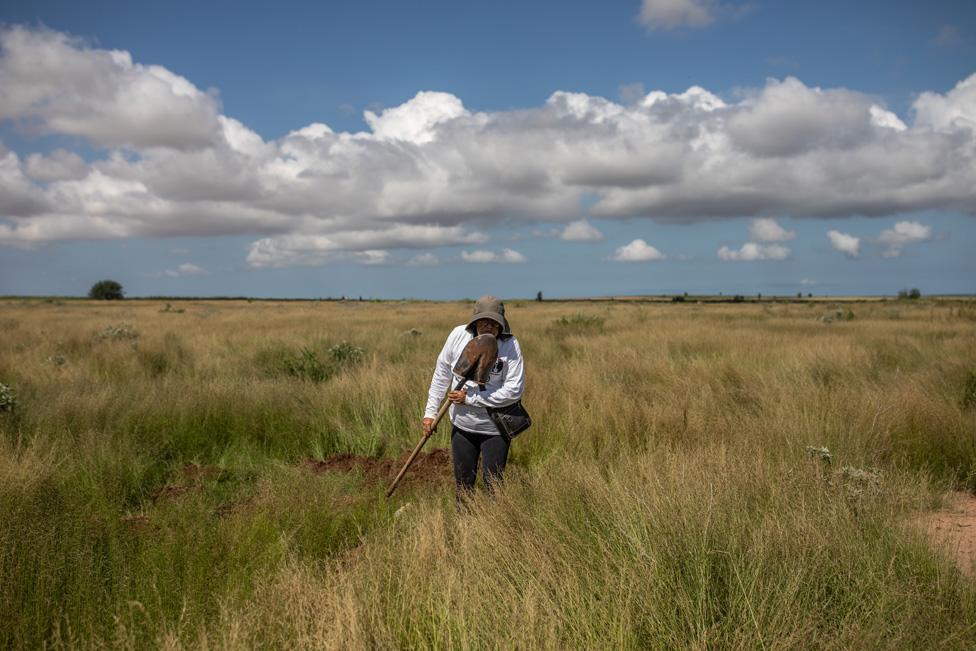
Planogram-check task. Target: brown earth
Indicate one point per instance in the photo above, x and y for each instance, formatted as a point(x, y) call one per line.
point(428, 467)
point(433, 466)
point(953, 528)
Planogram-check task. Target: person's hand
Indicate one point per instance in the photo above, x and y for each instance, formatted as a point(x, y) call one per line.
point(457, 397)
point(428, 427)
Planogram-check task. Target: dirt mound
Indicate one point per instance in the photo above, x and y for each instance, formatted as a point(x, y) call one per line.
point(954, 529)
point(429, 466)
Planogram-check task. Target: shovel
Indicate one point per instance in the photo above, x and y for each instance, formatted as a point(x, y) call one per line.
point(475, 363)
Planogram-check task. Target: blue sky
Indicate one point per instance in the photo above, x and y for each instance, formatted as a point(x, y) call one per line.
point(473, 148)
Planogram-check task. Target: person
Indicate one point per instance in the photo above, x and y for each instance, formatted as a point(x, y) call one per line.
point(473, 434)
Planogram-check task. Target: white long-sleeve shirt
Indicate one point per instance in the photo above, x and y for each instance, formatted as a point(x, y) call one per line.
point(505, 384)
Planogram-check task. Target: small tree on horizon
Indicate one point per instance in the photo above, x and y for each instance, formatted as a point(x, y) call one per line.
point(106, 290)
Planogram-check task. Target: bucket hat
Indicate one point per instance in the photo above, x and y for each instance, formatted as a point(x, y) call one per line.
point(490, 307)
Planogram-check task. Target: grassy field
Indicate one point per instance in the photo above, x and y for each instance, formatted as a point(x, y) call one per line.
point(704, 476)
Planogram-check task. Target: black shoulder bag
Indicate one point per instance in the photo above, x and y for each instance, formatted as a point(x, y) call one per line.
point(510, 420)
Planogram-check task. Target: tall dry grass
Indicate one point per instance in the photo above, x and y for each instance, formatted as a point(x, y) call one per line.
point(152, 490)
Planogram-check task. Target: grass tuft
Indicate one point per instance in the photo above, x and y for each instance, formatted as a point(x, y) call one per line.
point(579, 324)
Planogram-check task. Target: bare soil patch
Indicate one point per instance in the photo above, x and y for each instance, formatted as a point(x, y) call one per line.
point(433, 466)
point(953, 528)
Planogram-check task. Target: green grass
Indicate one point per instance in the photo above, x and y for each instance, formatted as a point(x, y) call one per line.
point(153, 490)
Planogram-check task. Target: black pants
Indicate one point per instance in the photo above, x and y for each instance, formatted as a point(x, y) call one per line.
point(465, 450)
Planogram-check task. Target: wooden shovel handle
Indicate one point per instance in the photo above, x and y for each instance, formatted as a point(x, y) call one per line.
point(403, 470)
point(420, 445)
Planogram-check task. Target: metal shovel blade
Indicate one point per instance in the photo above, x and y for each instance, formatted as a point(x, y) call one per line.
point(477, 358)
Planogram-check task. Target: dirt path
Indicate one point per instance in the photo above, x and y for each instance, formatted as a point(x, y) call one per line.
point(954, 528)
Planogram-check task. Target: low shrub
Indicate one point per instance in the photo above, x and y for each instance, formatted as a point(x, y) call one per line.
point(345, 353)
point(7, 398)
point(838, 315)
point(821, 453)
point(306, 365)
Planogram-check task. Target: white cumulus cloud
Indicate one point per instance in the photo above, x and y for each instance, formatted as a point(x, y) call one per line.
point(580, 231)
point(371, 257)
point(511, 256)
point(766, 229)
point(160, 159)
point(904, 233)
point(64, 86)
point(19, 197)
point(59, 165)
point(752, 251)
point(669, 14)
point(315, 249)
point(415, 121)
point(508, 256)
point(847, 244)
point(186, 269)
point(884, 118)
point(637, 251)
point(423, 260)
point(479, 256)
point(954, 110)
